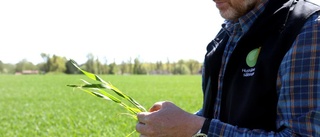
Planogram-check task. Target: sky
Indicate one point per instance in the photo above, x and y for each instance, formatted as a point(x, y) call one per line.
point(111, 30)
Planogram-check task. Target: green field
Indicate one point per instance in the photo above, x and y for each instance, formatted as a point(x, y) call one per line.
point(42, 105)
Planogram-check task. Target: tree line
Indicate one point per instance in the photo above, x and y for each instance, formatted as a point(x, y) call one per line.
point(56, 65)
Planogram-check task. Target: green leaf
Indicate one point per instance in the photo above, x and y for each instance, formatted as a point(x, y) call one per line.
point(100, 86)
point(108, 85)
point(96, 94)
point(97, 90)
point(88, 74)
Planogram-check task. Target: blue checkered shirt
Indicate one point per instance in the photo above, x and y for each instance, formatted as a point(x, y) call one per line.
point(298, 83)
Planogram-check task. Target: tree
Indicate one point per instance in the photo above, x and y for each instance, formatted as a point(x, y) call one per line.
point(44, 67)
point(138, 68)
point(159, 65)
point(24, 65)
point(103, 68)
point(168, 66)
point(90, 64)
point(123, 68)
point(8, 68)
point(130, 66)
point(57, 64)
point(1, 67)
point(70, 69)
point(112, 68)
point(194, 66)
point(180, 68)
point(97, 66)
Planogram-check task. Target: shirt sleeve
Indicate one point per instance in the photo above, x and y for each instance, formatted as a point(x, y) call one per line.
point(298, 87)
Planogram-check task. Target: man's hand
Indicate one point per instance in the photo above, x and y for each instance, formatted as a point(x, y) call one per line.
point(167, 120)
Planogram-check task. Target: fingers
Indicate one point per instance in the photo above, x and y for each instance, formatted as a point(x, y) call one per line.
point(144, 125)
point(142, 117)
point(145, 117)
point(140, 127)
point(149, 122)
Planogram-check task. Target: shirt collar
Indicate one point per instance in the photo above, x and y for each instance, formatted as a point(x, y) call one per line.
point(245, 21)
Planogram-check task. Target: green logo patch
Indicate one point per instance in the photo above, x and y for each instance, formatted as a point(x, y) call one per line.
point(252, 57)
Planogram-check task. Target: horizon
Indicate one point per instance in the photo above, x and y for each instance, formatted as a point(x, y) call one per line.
point(109, 62)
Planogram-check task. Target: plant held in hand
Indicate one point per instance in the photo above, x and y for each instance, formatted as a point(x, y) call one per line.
point(100, 90)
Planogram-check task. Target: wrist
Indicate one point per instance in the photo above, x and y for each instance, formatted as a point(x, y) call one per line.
point(204, 129)
point(197, 123)
point(205, 126)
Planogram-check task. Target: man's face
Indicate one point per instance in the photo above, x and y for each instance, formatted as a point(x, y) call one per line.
point(234, 9)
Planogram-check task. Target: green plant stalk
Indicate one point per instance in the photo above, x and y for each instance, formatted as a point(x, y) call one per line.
point(98, 90)
point(106, 85)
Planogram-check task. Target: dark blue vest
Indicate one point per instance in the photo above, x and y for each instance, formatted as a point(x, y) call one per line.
point(249, 95)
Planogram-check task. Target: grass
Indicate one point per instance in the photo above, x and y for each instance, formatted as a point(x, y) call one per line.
point(42, 105)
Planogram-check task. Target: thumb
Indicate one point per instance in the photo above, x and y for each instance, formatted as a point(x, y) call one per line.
point(157, 106)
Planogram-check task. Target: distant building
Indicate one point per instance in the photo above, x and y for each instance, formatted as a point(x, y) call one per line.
point(27, 72)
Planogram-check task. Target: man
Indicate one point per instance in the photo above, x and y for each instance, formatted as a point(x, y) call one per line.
point(261, 76)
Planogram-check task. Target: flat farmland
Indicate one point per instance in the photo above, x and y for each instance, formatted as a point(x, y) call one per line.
point(42, 105)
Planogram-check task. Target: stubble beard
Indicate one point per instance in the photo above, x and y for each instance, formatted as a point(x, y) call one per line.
point(237, 10)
